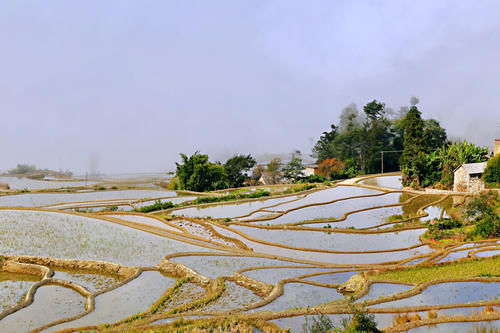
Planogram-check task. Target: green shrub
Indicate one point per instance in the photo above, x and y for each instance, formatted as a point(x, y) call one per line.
point(313, 179)
point(445, 224)
point(173, 184)
point(319, 324)
point(492, 172)
point(158, 205)
point(230, 197)
point(488, 227)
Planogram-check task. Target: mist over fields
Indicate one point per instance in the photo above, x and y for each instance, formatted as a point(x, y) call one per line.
point(136, 82)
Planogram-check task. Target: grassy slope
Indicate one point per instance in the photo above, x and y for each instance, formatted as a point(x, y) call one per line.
point(460, 270)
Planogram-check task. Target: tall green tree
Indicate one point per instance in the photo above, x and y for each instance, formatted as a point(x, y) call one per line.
point(197, 173)
point(492, 172)
point(274, 170)
point(376, 137)
point(411, 159)
point(236, 168)
point(294, 169)
point(434, 135)
point(325, 148)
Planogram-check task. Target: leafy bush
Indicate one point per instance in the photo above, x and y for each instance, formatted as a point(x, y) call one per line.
point(230, 197)
point(488, 227)
point(319, 324)
point(313, 179)
point(360, 322)
point(158, 205)
point(492, 172)
point(445, 224)
point(22, 169)
point(173, 184)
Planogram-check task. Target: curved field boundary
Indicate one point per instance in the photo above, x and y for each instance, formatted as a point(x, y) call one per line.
point(327, 230)
point(313, 204)
point(104, 203)
point(166, 222)
point(211, 229)
point(247, 254)
point(455, 249)
point(441, 320)
point(374, 208)
point(214, 289)
point(317, 250)
point(299, 225)
point(186, 238)
point(210, 204)
point(13, 265)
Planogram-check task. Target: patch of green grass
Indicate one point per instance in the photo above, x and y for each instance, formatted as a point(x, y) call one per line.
point(230, 197)
point(460, 270)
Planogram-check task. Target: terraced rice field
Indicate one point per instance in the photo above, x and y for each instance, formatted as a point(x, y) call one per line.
point(269, 263)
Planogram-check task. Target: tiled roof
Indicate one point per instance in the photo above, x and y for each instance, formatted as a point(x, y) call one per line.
point(474, 168)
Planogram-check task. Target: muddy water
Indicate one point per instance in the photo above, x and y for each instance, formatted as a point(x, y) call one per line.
point(274, 275)
point(51, 303)
point(77, 237)
point(91, 282)
point(30, 184)
point(13, 288)
point(136, 296)
point(298, 295)
point(234, 297)
point(393, 182)
point(450, 293)
point(336, 241)
point(457, 327)
point(327, 257)
point(214, 266)
point(384, 289)
point(44, 199)
point(230, 209)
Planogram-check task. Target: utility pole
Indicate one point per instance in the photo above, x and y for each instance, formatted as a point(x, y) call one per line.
point(382, 157)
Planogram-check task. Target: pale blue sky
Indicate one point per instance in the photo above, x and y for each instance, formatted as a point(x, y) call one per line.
point(141, 81)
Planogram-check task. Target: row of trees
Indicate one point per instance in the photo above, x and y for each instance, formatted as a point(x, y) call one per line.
point(31, 170)
point(197, 173)
point(423, 163)
point(354, 146)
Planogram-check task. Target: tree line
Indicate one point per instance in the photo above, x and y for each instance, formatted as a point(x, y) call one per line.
point(355, 145)
point(361, 143)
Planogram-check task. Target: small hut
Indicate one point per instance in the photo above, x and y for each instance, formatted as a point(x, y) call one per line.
point(467, 177)
point(310, 169)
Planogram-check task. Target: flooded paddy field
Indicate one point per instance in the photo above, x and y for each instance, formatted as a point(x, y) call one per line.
point(22, 183)
point(63, 200)
point(271, 262)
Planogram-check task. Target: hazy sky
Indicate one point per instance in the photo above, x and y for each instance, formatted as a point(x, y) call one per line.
point(140, 81)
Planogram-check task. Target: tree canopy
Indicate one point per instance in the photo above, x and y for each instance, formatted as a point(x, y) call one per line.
point(361, 137)
point(236, 168)
point(197, 173)
point(294, 169)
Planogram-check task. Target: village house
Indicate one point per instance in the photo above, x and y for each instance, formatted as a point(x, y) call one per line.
point(467, 177)
point(310, 170)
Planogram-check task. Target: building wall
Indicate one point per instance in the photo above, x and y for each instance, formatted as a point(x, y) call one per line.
point(497, 147)
point(461, 180)
point(476, 184)
point(308, 171)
